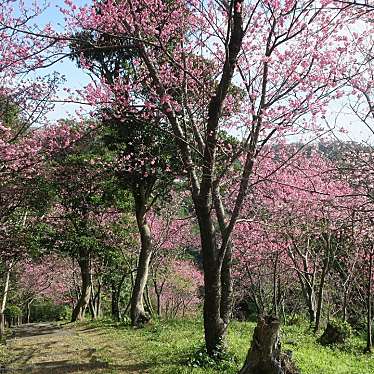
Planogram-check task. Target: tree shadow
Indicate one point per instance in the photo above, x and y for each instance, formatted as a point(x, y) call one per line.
point(65, 366)
point(31, 330)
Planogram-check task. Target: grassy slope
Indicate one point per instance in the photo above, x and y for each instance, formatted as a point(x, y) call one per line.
point(163, 347)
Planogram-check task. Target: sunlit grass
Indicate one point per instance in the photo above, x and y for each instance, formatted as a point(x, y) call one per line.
point(166, 346)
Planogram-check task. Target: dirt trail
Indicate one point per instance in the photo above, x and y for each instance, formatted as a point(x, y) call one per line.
point(43, 348)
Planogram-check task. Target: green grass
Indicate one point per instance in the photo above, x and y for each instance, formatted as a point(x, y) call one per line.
point(165, 347)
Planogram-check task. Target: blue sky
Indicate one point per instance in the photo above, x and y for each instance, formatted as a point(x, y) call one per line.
point(76, 78)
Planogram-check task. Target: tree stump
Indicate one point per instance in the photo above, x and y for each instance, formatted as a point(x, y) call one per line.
point(264, 355)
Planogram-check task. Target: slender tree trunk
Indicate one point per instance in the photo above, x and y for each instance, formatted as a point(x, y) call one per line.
point(137, 313)
point(98, 300)
point(95, 301)
point(28, 310)
point(369, 342)
point(4, 299)
point(321, 294)
point(227, 286)
point(116, 295)
point(344, 307)
point(158, 296)
point(311, 302)
point(115, 303)
point(91, 307)
point(275, 286)
point(84, 299)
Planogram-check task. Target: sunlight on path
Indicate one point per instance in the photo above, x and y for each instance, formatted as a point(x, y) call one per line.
point(47, 348)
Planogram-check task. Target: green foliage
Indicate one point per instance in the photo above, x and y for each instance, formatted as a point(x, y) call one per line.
point(336, 332)
point(9, 112)
point(46, 310)
point(12, 311)
point(298, 320)
point(222, 360)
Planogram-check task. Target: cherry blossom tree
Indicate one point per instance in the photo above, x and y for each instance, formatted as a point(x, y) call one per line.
point(288, 70)
point(261, 68)
point(49, 277)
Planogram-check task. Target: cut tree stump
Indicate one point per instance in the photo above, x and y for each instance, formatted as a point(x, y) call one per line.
point(264, 355)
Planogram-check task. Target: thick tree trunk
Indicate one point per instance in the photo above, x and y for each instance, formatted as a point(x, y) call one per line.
point(84, 299)
point(369, 342)
point(214, 325)
point(137, 313)
point(147, 301)
point(264, 355)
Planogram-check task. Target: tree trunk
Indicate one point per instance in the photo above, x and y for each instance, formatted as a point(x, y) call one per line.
point(158, 296)
point(264, 355)
point(344, 307)
point(91, 307)
point(147, 300)
point(115, 303)
point(227, 286)
point(320, 294)
point(95, 301)
point(137, 313)
point(28, 310)
point(214, 325)
point(84, 299)
point(369, 342)
point(4, 299)
point(311, 302)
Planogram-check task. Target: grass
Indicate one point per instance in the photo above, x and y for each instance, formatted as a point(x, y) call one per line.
point(165, 347)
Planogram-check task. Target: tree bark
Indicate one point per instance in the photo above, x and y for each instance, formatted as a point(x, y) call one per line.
point(369, 342)
point(115, 303)
point(137, 313)
point(214, 326)
point(84, 299)
point(28, 310)
point(264, 355)
point(95, 301)
point(227, 286)
point(311, 302)
point(320, 294)
point(4, 299)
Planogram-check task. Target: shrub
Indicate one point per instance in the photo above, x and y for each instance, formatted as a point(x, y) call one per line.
point(223, 361)
point(46, 310)
point(298, 320)
point(12, 311)
point(336, 332)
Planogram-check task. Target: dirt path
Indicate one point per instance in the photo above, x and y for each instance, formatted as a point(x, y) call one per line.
point(47, 348)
